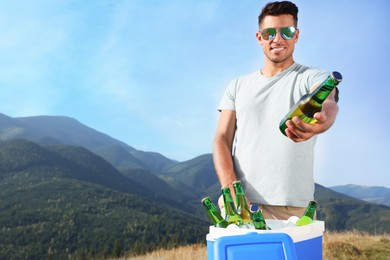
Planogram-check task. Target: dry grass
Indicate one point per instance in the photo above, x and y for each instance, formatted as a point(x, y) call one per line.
point(355, 246)
point(343, 246)
point(192, 252)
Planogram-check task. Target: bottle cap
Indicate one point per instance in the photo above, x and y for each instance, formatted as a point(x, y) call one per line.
point(254, 208)
point(336, 76)
point(205, 198)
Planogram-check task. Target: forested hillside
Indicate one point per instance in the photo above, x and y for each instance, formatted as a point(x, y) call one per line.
point(56, 207)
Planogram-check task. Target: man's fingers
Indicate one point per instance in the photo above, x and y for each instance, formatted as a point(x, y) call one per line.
point(300, 127)
point(320, 117)
point(293, 132)
point(299, 131)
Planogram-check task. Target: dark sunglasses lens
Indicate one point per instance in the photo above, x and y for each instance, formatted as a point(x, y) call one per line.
point(287, 32)
point(268, 34)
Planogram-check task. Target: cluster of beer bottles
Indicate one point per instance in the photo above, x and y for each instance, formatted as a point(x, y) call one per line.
point(244, 216)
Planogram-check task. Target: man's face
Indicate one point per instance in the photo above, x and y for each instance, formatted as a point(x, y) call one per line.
point(278, 49)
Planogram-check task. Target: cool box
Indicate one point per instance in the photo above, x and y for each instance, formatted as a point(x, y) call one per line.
point(284, 241)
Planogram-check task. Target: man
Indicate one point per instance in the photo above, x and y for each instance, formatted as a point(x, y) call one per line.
point(276, 171)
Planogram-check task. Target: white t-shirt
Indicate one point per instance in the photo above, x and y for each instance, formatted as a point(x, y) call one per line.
point(274, 170)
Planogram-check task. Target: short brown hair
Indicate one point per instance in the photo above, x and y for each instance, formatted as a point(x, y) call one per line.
point(279, 8)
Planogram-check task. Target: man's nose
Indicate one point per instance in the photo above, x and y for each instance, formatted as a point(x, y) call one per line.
point(278, 36)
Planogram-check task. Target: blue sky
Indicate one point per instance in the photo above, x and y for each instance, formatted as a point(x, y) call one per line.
point(151, 73)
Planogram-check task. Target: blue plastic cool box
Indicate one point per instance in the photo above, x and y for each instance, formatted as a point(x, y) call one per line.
point(284, 241)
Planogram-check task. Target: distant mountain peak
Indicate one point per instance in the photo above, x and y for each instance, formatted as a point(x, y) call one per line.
point(46, 130)
point(375, 194)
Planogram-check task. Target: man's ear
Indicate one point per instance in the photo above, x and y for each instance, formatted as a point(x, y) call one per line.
point(259, 39)
point(296, 36)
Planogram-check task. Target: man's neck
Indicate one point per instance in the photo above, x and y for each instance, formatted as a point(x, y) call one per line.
point(270, 69)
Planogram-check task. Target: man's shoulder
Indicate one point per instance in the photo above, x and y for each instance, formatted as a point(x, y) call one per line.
point(242, 80)
point(309, 76)
point(247, 76)
point(308, 69)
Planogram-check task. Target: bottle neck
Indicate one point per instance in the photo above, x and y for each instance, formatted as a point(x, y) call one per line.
point(241, 199)
point(310, 210)
point(322, 92)
point(215, 215)
point(229, 204)
point(240, 194)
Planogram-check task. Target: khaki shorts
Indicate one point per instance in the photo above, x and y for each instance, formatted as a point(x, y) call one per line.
point(281, 212)
point(272, 212)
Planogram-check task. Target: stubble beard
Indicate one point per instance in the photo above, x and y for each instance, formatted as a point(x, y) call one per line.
point(278, 60)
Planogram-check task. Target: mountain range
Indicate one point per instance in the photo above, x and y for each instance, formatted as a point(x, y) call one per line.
point(375, 194)
point(49, 130)
point(69, 190)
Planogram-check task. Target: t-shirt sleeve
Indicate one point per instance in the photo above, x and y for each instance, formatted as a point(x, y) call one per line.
point(312, 77)
point(228, 101)
point(317, 77)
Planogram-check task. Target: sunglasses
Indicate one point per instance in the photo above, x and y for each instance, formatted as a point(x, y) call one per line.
point(286, 32)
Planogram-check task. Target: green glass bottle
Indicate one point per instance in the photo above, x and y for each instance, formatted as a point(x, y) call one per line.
point(258, 219)
point(232, 216)
point(214, 214)
point(310, 104)
point(242, 206)
point(308, 216)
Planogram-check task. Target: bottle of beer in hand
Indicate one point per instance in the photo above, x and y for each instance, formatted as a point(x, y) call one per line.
point(311, 103)
point(242, 206)
point(257, 216)
point(232, 216)
point(308, 216)
point(214, 214)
